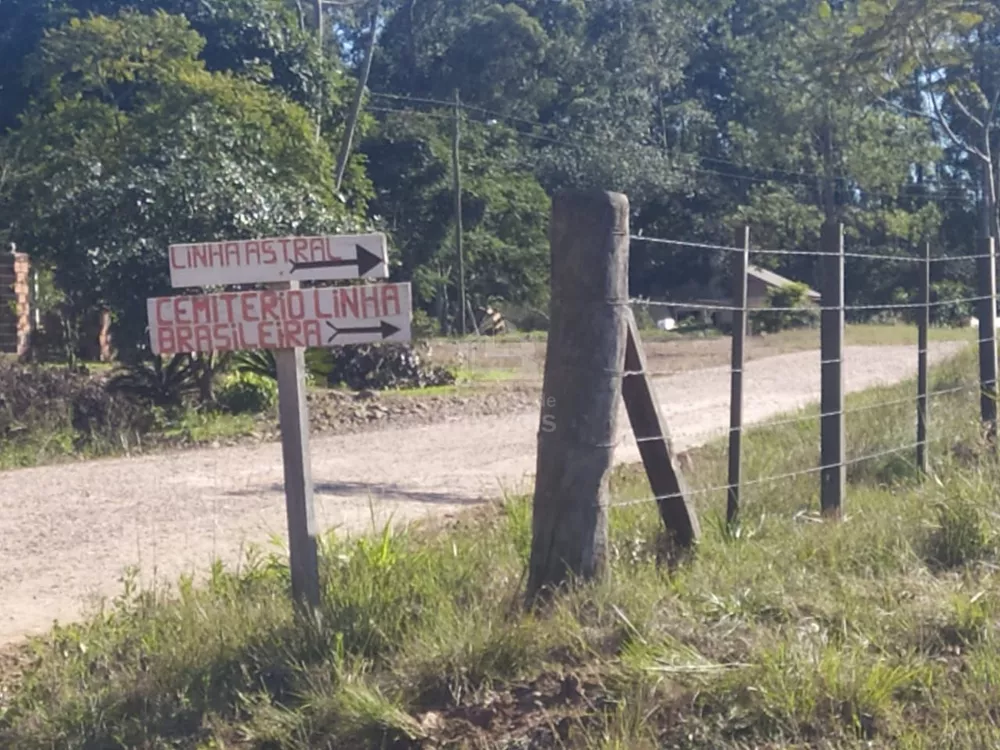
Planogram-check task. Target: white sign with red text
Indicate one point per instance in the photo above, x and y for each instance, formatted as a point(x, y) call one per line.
point(280, 319)
point(341, 257)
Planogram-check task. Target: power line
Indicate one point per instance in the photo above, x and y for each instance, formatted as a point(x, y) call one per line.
point(957, 196)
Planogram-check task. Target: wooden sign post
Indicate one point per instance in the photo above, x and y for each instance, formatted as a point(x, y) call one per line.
point(287, 319)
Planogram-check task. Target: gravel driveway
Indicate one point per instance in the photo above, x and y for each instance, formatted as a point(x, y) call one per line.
point(68, 532)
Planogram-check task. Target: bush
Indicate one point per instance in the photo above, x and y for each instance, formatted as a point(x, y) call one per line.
point(424, 326)
point(379, 366)
point(962, 534)
point(524, 317)
point(247, 393)
point(795, 309)
point(35, 400)
point(644, 319)
point(955, 314)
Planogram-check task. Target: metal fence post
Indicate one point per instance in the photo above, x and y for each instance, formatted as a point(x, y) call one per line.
point(456, 176)
point(833, 456)
point(924, 324)
point(987, 314)
point(739, 334)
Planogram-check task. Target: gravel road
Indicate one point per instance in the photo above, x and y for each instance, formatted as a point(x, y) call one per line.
point(68, 532)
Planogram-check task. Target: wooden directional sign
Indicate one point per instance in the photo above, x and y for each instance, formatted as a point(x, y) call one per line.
point(288, 319)
point(279, 259)
point(280, 319)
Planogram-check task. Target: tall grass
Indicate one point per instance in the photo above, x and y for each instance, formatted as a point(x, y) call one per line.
point(876, 632)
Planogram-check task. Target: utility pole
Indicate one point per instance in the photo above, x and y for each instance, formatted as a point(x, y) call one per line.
point(457, 178)
point(352, 120)
point(318, 10)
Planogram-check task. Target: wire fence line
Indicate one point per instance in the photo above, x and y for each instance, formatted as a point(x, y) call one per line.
point(769, 479)
point(832, 356)
point(807, 253)
point(786, 421)
point(713, 307)
point(921, 399)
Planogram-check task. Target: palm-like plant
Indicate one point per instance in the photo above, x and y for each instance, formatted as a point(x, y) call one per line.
point(159, 382)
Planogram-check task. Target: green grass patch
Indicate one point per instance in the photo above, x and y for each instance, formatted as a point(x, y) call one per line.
point(876, 632)
point(56, 441)
point(195, 426)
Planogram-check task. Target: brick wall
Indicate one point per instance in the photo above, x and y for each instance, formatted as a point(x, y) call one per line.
point(15, 303)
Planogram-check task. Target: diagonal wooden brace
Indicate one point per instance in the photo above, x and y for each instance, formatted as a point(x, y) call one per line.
point(650, 429)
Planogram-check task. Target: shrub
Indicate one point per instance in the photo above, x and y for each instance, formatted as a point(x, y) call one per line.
point(379, 366)
point(247, 393)
point(424, 326)
point(524, 317)
point(955, 314)
point(43, 399)
point(644, 319)
point(961, 535)
point(794, 309)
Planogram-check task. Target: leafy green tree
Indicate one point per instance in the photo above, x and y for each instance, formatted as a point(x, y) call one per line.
point(135, 144)
point(819, 144)
point(267, 41)
point(944, 60)
point(505, 211)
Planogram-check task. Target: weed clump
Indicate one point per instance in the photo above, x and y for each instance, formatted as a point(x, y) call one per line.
point(961, 535)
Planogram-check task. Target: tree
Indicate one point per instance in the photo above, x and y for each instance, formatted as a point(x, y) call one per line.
point(263, 40)
point(817, 145)
point(134, 144)
point(947, 59)
point(505, 210)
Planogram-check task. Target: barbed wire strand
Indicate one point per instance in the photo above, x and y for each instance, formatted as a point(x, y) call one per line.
point(713, 307)
point(806, 253)
point(771, 479)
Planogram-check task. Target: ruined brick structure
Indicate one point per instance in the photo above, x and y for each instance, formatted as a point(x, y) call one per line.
point(16, 300)
point(15, 303)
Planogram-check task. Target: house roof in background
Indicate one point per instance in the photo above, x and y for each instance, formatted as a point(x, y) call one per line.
point(775, 279)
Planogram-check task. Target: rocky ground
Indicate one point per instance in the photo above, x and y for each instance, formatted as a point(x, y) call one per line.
point(344, 413)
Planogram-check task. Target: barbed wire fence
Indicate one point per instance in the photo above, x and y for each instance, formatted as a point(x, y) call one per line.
point(587, 445)
point(832, 419)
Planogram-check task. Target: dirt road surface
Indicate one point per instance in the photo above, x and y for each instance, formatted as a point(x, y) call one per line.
point(68, 532)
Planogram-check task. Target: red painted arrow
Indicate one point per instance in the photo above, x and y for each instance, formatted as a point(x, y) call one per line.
point(385, 328)
point(365, 261)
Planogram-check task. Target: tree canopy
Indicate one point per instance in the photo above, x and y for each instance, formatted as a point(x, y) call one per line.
point(128, 124)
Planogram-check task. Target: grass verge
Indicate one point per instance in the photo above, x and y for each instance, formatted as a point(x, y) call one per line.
point(877, 632)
